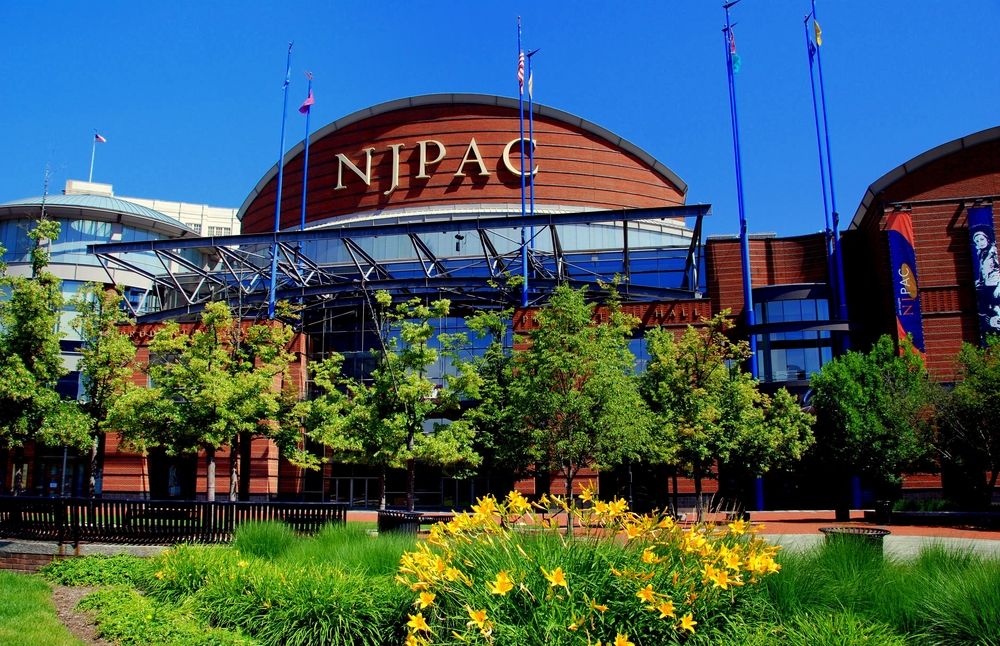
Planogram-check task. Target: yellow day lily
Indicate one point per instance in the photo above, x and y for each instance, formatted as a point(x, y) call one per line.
point(425, 599)
point(647, 594)
point(738, 527)
point(599, 607)
point(666, 609)
point(478, 618)
point(417, 623)
point(622, 640)
point(587, 491)
point(687, 623)
point(502, 585)
point(556, 578)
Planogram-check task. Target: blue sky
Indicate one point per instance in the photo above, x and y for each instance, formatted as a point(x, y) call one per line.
point(188, 93)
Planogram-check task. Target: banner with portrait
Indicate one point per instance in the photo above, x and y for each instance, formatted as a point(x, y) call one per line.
point(903, 260)
point(985, 268)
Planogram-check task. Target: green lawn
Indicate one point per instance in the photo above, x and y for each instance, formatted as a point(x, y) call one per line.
point(27, 616)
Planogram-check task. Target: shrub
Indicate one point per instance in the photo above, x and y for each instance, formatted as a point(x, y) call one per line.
point(120, 569)
point(504, 575)
point(839, 629)
point(962, 606)
point(263, 539)
point(351, 548)
point(183, 570)
point(128, 618)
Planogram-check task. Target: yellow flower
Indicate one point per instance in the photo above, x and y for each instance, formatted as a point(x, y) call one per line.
point(502, 585)
point(426, 599)
point(517, 503)
point(649, 556)
point(720, 579)
point(687, 623)
point(412, 640)
point(647, 594)
point(572, 627)
point(556, 578)
point(599, 607)
point(588, 491)
point(732, 561)
point(633, 531)
point(622, 640)
point(243, 564)
point(417, 623)
point(666, 609)
point(486, 508)
point(738, 527)
point(478, 618)
point(159, 575)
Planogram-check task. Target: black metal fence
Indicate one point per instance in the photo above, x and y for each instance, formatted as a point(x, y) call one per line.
point(151, 522)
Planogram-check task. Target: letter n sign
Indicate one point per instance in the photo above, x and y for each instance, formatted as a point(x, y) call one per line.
point(905, 291)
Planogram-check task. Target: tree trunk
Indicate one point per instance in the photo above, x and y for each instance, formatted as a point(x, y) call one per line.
point(569, 499)
point(96, 467)
point(699, 502)
point(676, 494)
point(989, 489)
point(411, 475)
point(411, 484)
point(210, 473)
point(381, 485)
point(234, 469)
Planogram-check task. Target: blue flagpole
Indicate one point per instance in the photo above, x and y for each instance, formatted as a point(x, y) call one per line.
point(520, 107)
point(305, 161)
point(750, 317)
point(531, 141)
point(277, 200)
point(835, 217)
point(811, 51)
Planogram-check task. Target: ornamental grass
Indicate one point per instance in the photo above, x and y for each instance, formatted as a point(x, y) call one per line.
point(506, 574)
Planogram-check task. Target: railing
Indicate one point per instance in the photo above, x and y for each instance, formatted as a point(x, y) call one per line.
point(151, 522)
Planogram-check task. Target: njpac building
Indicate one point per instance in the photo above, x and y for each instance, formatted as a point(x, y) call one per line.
point(422, 197)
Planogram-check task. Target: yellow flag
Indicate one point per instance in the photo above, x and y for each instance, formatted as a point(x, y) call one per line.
point(819, 33)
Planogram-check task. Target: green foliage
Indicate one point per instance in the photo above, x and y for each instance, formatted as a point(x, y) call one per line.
point(107, 355)
point(942, 597)
point(574, 390)
point(263, 539)
point(27, 617)
point(839, 629)
point(120, 569)
point(30, 359)
point(335, 588)
point(969, 435)
point(709, 410)
point(211, 387)
point(387, 422)
point(130, 619)
point(873, 414)
point(502, 441)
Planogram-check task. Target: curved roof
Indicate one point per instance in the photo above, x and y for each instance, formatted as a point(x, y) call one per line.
point(918, 162)
point(111, 206)
point(467, 99)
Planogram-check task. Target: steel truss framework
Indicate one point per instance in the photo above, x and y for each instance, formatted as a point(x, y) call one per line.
point(236, 268)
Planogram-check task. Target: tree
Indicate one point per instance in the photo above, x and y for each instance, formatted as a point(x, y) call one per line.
point(969, 430)
point(500, 439)
point(873, 413)
point(214, 387)
point(709, 411)
point(30, 359)
point(574, 388)
point(106, 363)
point(398, 418)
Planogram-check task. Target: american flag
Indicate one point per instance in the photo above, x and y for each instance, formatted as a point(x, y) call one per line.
point(520, 72)
point(99, 139)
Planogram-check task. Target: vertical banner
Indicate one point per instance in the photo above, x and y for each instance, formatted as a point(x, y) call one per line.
point(985, 269)
point(903, 260)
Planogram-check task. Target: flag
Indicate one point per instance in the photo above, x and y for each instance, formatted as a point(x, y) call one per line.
point(99, 139)
point(812, 50)
point(520, 72)
point(819, 33)
point(531, 82)
point(732, 41)
point(304, 108)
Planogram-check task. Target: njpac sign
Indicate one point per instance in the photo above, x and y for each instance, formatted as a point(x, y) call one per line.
point(429, 153)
